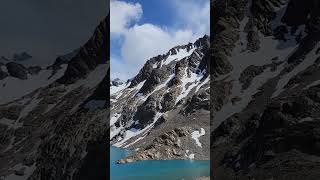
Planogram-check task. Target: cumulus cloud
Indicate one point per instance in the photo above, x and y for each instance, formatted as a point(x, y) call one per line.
point(195, 14)
point(122, 14)
point(142, 42)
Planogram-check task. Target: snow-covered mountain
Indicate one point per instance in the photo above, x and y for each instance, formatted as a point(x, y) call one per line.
point(58, 130)
point(163, 112)
point(265, 89)
point(22, 71)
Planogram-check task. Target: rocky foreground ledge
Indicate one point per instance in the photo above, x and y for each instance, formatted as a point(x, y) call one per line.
point(171, 146)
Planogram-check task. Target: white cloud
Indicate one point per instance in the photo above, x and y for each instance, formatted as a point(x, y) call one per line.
point(195, 14)
point(140, 42)
point(122, 14)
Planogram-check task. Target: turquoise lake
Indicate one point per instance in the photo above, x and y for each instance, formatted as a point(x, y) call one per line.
point(155, 170)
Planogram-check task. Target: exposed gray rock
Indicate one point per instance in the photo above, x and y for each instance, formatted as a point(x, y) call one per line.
point(17, 70)
point(154, 109)
point(146, 112)
point(248, 74)
point(273, 135)
point(34, 70)
point(10, 112)
point(88, 56)
point(116, 82)
point(56, 134)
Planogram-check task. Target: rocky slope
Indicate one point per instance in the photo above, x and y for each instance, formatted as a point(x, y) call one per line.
point(59, 131)
point(22, 71)
point(265, 89)
point(163, 112)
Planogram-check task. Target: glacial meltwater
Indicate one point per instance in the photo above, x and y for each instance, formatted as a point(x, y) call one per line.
point(155, 169)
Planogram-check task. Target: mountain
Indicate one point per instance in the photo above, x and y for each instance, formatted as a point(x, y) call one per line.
point(116, 82)
point(265, 89)
point(163, 112)
point(59, 130)
point(24, 72)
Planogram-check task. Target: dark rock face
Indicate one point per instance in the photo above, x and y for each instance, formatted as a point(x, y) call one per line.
point(146, 112)
point(61, 60)
point(169, 99)
point(62, 142)
point(11, 112)
point(198, 101)
point(297, 12)
point(116, 82)
point(288, 124)
point(203, 42)
point(314, 24)
point(156, 77)
point(224, 33)
point(263, 14)
point(248, 74)
point(274, 134)
point(89, 56)
point(34, 70)
point(17, 70)
point(219, 96)
point(146, 70)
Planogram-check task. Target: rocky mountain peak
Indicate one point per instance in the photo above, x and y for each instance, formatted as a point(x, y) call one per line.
point(88, 56)
point(56, 131)
point(116, 82)
point(167, 61)
point(159, 94)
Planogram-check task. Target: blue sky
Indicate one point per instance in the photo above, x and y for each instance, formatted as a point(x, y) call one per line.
point(141, 29)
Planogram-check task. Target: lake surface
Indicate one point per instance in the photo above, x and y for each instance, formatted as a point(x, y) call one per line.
point(155, 170)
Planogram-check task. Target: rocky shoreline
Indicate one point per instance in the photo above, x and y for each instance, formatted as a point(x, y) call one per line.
point(169, 146)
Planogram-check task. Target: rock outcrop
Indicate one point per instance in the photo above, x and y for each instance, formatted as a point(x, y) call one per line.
point(59, 131)
point(265, 110)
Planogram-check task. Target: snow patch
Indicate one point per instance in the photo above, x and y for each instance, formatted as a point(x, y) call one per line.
point(135, 132)
point(196, 135)
point(144, 98)
point(306, 119)
point(114, 118)
point(182, 53)
point(190, 156)
point(12, 88)
point(116, 89)
point(308, 61)
point(315, 83)
point(194, 79)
